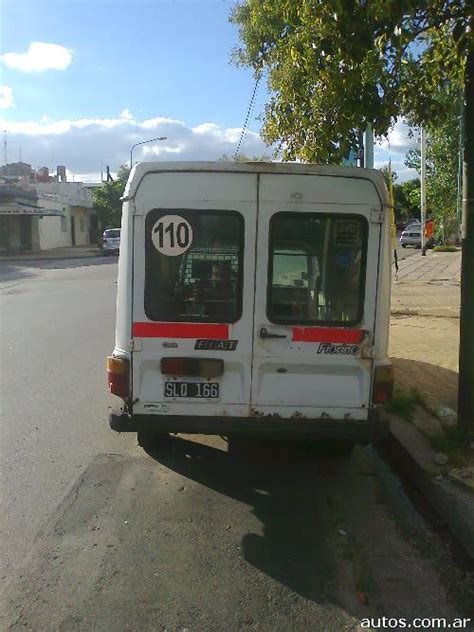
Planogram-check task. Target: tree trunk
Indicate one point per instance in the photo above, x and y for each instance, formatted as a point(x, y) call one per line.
point(466, 341)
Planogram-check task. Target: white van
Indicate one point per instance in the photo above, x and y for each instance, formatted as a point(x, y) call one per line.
point(253, 298)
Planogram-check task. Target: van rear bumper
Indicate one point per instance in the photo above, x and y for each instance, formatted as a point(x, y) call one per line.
point(367, 431)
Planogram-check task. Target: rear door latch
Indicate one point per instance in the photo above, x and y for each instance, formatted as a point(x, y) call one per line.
point(264, 333)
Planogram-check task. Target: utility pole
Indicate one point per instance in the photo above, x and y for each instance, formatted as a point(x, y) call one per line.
point(423, 189)
point(466, 338)
point(459, 184)
point(369, 148)
point(361, 148)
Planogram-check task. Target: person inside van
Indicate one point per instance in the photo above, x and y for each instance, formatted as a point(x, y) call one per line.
point(214, 293)
point(220, 281)
point(343, 287)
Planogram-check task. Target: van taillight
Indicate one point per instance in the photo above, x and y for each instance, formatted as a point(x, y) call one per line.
point(384, 377)
point(117, 376)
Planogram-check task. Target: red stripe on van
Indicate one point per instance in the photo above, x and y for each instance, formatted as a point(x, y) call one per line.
point(181, 330)
point(327, 334)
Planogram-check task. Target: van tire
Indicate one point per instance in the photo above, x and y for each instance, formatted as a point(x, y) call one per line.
point(151, 439)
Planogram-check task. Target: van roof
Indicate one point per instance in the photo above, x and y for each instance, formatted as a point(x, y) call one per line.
point(142, 169)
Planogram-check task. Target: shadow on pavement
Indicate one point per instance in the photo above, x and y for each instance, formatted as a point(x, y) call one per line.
point(429, 379)
point(10, 271)
point(285, 485)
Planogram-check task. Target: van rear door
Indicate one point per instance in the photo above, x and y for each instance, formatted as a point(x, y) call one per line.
point(316, 278)
point(194, 243)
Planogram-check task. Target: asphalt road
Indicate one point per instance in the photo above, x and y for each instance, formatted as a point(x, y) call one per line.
point(404, 253)
point(98, 535)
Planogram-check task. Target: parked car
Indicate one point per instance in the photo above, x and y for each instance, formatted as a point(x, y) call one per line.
point(111, 241)
point(224, 330)
point(411, 236)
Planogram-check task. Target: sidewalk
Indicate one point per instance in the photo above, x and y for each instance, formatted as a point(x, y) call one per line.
point(72, 252)
point(428, 286)
point(424, 345)
point(424, 328)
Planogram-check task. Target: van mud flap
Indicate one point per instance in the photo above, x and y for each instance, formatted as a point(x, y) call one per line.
point(121, 421)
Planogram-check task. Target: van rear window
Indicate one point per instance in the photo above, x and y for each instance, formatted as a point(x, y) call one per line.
point(193, 265)
point(316, 268)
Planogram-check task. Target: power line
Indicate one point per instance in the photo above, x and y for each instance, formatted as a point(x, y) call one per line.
point(247, 118)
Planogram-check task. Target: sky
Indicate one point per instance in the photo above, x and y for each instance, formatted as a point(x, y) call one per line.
point(81, 81)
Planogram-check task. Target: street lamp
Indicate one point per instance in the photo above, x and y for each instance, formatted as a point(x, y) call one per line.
point(142, 143)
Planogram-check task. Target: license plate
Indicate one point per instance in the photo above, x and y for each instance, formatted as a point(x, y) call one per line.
point(198, 390)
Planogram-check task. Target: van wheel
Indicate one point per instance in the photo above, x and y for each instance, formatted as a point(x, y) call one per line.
point(152, 440)
point(403, 245)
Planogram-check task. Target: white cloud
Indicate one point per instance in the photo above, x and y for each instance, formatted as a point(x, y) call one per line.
point(40, 56)
point(206, 128)
point(403, 173)
point(86, 145)
point(90, 178)
point(157, 121)
point(126, 114)
point(6, 98)
point(399, 140)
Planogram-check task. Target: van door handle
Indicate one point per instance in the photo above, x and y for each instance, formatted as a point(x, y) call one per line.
point(264, 334)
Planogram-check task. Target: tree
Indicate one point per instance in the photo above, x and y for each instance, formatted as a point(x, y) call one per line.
point(335, 66)
point(107, 199)
point(412, 196)
point(403, 206)
point(244, 158)
point(442, 147)
point(406, 196)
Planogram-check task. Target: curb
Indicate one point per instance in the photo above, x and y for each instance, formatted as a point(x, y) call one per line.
point(411, 454)
point(426, 312)
point(49, 258)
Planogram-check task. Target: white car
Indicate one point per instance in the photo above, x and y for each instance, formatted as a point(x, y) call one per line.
point(411, 236)
point(111, 241)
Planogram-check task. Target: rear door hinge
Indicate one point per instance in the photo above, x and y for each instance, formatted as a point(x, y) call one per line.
point(367, 346)
point(376, 216)
point(136, 344)
point(134, 210)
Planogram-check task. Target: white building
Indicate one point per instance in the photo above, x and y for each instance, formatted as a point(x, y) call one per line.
point(20, 218)
point(73, 228)
point(41, 212)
